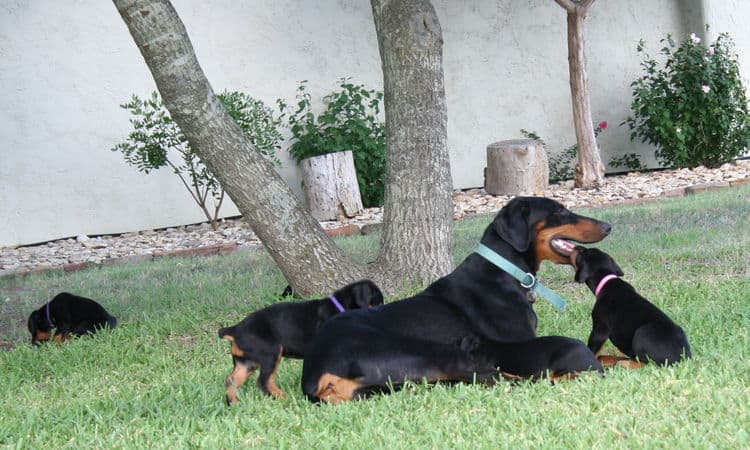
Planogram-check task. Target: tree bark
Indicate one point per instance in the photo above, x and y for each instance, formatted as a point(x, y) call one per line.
point(417, 219)
point(589, 171)
point(331, 186)
point(308, 258)
point(418, 215)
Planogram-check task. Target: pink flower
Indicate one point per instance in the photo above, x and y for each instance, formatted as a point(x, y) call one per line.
point(706, 89)
point(602, 125)
point(695, 39)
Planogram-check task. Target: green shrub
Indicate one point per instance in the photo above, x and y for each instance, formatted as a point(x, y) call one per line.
point(349, 122)
point(693, 108)
point(630, 161)
point(157, 141)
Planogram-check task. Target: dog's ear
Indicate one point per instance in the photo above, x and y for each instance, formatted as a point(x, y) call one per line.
point(512, 224)
point(618, 271)
point(32, 323)
point(582, 269)
point(366, 294)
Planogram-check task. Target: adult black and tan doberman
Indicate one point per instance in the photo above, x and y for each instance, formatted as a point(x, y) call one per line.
point(368, 351)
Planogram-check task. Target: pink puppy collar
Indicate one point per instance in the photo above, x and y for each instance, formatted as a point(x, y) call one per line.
point(604, 281)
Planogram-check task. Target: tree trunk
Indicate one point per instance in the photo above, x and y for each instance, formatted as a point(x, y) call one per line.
point(417, 219)
point(418, 214)
point(308, 258)
point(589, 169)
point(331, 186)
point(516, 167)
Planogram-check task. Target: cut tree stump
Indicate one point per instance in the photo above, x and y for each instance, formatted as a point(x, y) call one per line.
point(331, 187)
point(517, 166)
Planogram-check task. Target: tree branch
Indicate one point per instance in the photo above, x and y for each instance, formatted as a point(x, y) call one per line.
point(568, 5)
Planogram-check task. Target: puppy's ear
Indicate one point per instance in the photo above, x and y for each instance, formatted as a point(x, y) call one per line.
point(512, 224)
point(366, 294)
point(618, 271)
point(582, 270)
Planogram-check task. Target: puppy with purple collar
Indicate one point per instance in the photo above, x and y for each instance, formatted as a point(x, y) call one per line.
point(285, 329)
point(634, 325)
point(68, 315)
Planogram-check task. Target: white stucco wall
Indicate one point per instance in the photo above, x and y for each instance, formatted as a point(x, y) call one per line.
point(66, 66)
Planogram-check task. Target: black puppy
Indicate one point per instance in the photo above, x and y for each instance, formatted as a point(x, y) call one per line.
point(70, 315)
point(553, 357)
point(633, 324)
point(284, 329)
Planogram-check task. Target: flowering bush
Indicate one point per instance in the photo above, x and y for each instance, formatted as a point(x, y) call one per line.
point(693, 108)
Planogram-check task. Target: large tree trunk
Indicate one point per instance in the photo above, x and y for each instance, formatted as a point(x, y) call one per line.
point(589, 170)
point(418, 216)
point(309, 259)
point(417, 209)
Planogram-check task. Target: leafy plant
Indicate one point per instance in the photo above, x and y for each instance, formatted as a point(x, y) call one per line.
point(349, 122)
point(693, 108)
point(630, 161)
point(562, 165)
point(157, 141)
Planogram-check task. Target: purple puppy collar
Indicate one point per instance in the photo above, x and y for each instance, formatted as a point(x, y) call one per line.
point(49, 318)
point(336, 303)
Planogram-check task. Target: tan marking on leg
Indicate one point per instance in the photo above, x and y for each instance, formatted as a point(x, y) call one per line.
point(236, 351)
point(60, 338)
point(630, 364)
point(235, 380)
point(271, 384)
point(610, 360)
point(510, 376)
point(335, 389)
point(554, 378)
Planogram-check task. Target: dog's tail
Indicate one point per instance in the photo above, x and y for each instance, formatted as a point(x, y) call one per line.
point(226, 333)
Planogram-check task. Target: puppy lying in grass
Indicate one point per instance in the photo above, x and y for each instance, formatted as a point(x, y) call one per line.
point(283, 329)
point(69, 315)
point(634, 325)
point(551, 357)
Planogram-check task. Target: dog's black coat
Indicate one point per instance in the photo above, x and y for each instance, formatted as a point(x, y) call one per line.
point(634, 325)
point(70, 315)
point(284, 329)
point(415, 338)
point(546, 356)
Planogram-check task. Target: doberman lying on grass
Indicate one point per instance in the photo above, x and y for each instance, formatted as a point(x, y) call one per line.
point(634, 325)
point(69, 315)
point(283, 329)
point(367, 351)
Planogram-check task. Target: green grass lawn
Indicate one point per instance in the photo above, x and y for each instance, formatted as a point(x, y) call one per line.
point(157, 380)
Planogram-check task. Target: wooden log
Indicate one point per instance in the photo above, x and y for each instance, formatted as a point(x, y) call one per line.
point(518, 166)
point(331, 187)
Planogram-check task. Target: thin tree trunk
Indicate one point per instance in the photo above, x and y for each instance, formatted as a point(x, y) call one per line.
point(308, 258)
point(589, 169)
point(418, 211)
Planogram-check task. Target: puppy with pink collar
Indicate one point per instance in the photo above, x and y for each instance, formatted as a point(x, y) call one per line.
point(635, 326)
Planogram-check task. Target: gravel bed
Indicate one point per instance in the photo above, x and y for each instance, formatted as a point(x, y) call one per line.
point(236, 233)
